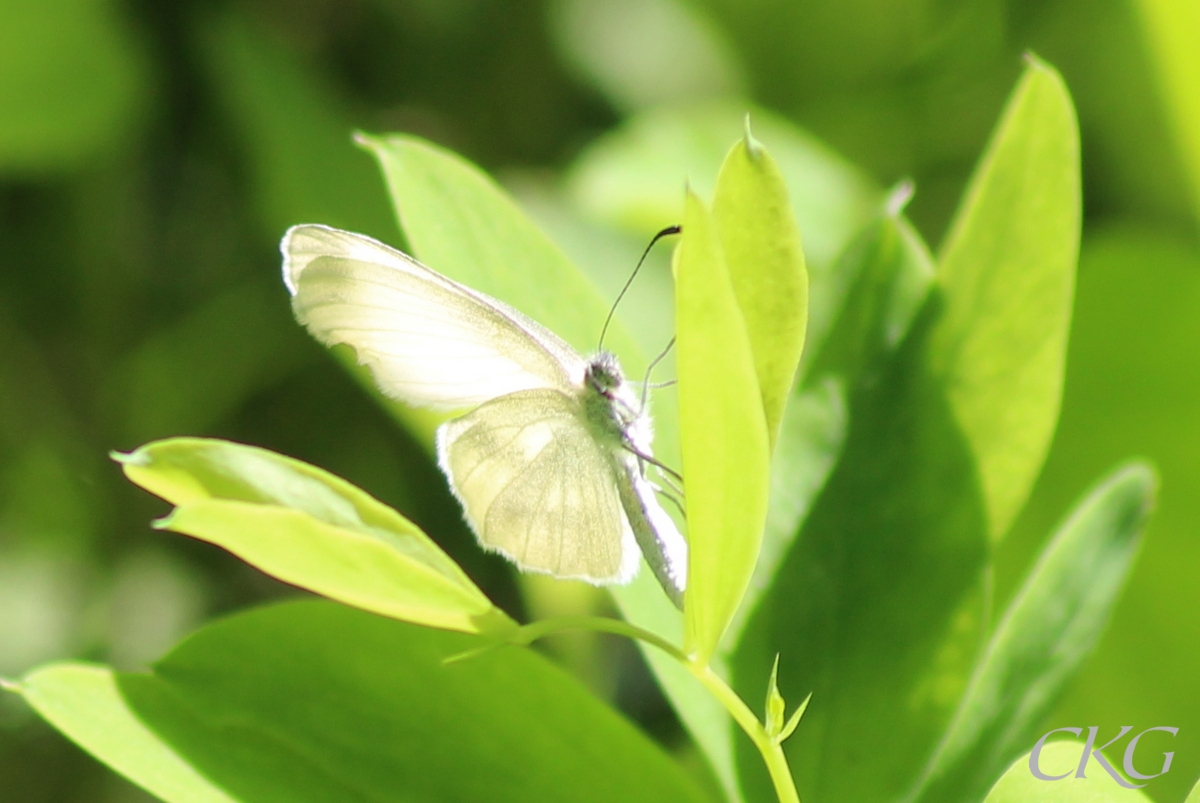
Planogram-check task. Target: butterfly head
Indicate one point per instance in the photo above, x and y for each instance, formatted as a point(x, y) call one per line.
point(603, 374)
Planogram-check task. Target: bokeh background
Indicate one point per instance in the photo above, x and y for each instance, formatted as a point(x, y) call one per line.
point(152, 153)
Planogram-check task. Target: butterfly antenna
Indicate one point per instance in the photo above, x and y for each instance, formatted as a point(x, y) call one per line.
point(646, 382)
point(612, 311)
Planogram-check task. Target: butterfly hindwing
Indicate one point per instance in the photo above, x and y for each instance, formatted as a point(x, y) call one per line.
point(539, 487)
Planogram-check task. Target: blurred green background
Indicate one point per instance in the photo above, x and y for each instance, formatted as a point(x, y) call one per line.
point(152, 153)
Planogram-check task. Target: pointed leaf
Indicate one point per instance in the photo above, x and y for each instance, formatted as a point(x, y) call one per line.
point(314, 703)
point(766, 265)
point(1051, 626)
point(311, 529)
point(794, 721)
point(723, 434)
point(630, 177)
point(776, 706)
point(1007, 273)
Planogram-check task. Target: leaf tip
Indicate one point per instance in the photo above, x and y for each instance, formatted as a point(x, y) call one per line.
point(10, 685)
point(138, 457)
point(899, 197)
point(368, 142)
point(164, 522)
point(754, 148)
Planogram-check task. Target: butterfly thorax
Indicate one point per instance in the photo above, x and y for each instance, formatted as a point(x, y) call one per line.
point(611, 403)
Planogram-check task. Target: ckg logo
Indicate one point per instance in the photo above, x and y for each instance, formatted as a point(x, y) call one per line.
point(1090, 751)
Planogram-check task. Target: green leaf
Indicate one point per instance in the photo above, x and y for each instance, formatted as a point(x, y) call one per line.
point(889, 568)
point(1007, 274)
point(1174, 32)
point(888, 272)
point(72, 80)
point(1050, 627)
point(766, 265)
point(315, 703)
point(311, 529)
point(723, 434)
point(878, 607)
point(85, 703)
point(1194, 796)
point(1019, 785)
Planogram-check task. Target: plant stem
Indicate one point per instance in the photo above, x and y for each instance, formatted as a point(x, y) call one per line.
point(530, 633)
point(771, 750)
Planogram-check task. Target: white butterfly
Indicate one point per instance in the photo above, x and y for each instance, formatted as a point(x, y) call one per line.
point(550, 464)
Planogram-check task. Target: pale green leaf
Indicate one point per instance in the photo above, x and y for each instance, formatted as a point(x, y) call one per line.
point(766, 265)
point(1007, 276)
point(1019, 785)
point(311, 529)
point(1173, 28)
point(723, 434)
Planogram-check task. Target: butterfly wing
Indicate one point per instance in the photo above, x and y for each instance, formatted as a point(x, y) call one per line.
point(538, 486)
point(428, 340)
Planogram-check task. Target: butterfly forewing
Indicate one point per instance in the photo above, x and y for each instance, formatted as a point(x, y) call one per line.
point(538, 486)
point(428, 341)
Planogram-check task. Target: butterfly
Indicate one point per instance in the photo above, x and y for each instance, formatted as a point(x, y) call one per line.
point(550, 463)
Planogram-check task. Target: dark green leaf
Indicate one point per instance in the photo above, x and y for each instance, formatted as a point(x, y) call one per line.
point(318, 703)
point(1050, 627)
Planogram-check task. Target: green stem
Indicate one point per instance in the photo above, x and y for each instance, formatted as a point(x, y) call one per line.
point(530, 633)
point(771, 749)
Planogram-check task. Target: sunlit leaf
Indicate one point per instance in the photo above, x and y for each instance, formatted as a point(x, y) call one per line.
point(1007, 275)
point(762, 251)
point(723, 433)
point(1174, 32)
point(311, 529)
point(1019, 785)
point(632, 176)
point(315, 702)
